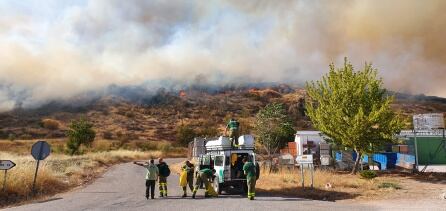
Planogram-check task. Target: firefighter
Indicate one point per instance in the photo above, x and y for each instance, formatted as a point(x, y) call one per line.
point(164, 172)
point(203, 177)
point(233, 127)
point(250, 171)
point(188, 168)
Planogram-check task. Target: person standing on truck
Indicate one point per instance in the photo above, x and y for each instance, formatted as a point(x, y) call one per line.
point(164, 172)
point(151, 176)
point(188, 168)
point(233, 127)
point(250, 171)
point(203, 177)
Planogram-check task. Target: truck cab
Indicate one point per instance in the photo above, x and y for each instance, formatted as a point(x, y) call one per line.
point(227, 161)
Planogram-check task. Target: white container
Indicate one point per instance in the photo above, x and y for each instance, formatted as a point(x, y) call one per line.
point(198, 147)
point(246, 141)
point(222, 141)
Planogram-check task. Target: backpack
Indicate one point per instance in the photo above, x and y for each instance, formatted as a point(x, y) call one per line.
point(164, 170)
point(167, 171)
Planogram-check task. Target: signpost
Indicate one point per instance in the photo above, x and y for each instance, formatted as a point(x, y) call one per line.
point(40, 150)
point(305, 160)
point(6, 165)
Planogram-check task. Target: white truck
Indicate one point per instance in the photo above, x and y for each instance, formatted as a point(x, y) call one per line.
point(227, 161)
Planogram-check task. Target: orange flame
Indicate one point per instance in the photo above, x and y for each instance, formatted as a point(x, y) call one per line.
point(182, 93)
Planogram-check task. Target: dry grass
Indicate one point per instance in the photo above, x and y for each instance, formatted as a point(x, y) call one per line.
point(23, 147)
point(342, 185)
point(59, 173)
point(287, 182)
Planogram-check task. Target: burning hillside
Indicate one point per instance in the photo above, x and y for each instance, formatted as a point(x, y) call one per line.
point(129, 114)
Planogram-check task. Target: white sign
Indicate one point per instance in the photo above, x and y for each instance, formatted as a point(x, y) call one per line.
point(304, 159)
point(6, 164)
point(325, 160)
point(428, 121)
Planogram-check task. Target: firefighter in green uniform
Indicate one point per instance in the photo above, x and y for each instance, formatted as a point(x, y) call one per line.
point(233, 126)
point(203, 177)
point(250, 171)
point(189, 168)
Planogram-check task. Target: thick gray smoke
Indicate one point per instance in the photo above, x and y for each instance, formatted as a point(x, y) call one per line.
point(61, 49)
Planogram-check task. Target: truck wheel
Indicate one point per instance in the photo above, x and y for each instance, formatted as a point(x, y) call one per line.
point(217, 186)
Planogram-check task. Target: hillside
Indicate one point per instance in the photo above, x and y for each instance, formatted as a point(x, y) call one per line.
point(156, 116)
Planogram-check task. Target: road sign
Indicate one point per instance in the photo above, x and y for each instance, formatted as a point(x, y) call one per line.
point(6, 164)
point(428, 121)
point(304, 159)
point(40, 150)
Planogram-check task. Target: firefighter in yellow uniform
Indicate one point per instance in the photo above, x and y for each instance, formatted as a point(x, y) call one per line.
point(203, 177)
point(188, 170)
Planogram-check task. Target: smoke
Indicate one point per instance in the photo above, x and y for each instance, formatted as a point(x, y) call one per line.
point(62, 49)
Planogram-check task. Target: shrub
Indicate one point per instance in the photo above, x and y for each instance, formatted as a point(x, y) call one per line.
point(389, 185)
point(57, 149)
point(26, 137)
point(207, 131)
point(130, 114)
point(107, 135)
point(147, 146)
point(102, 146)
point(368, 174)
point(126, 137)
point(12, 137)
point(185, 134)
point(79, 133)
point(50, 124)
point(166, 148)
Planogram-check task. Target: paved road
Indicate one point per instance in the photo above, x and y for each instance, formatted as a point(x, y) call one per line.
point(123, 188)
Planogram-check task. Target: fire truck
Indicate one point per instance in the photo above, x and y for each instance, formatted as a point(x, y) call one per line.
point(226, 159)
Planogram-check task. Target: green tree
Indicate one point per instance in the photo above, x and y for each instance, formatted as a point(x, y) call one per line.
point(80, 132)
point(185, 134)
point(273, 128)
point(353, 109)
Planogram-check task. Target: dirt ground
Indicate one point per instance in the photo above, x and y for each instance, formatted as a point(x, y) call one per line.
point(417, 186)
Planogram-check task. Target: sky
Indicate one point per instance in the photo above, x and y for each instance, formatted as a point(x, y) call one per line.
point(57, 49)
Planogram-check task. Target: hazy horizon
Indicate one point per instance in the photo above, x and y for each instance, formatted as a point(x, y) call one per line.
point(58, 49)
